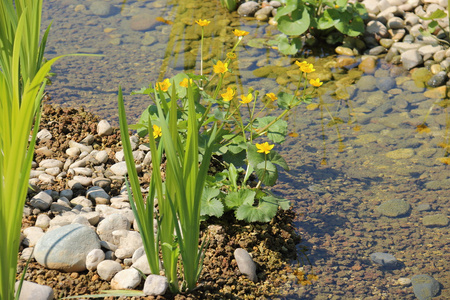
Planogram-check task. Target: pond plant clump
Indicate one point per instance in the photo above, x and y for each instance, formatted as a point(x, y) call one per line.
point(193, 119)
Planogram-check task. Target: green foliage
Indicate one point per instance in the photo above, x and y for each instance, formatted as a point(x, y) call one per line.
point(231, 5)
point(434, 25)
point(23, 73)
point(320, 18)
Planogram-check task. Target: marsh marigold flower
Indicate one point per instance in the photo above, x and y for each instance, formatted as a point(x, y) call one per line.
point(203, 22)
point(272, 96)
point(220, 68)
point(240, 33)
point(264, 148)
point(164, 85)
point(228, 95)
point(315, 82)
point(185, 82)
point(305, 66)
point(246, 99)
point(156, 131)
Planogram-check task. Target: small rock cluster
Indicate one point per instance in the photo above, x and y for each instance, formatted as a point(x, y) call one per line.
point(82, 227)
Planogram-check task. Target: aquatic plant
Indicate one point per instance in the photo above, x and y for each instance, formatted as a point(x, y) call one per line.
point(434, 25)
point(240, 120)
point(23, 72)
point(330, 19)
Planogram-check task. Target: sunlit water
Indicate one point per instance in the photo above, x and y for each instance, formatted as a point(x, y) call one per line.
point(339, 174)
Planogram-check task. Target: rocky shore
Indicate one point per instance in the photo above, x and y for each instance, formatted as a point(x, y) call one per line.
point(81, 232)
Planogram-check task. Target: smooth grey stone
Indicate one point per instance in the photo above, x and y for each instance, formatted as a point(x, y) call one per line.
point(411, 59)
point(438, 220)
point(245, 264)
point(51, 163)
point(384, 259)
point(100, 8)
point(438, 79)
point(44, 134)
point(366, 83)
point(423, 207)
point(155, 285)
point(65, 248)
point(107, 269)
point(126, 279)
point(142, 264)
point(93, 258)
point(119, 168)
point(386, 83)
point(98, 195)
point(394, 208)
point(34, 291)
point(248, 8)
point(41, 201)
point(425, 287)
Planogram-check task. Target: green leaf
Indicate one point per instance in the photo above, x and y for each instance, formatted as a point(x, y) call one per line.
point(276, 132)
point(264, 212)
point(287, 47)
point(267, 172)
point(295, 24)
point(437, 14)
point(236, 199)
point(286, 101)
point(283, 203)
point(211, 206)
point(257, 43)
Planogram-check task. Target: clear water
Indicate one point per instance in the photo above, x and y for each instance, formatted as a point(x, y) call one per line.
point(374, 155)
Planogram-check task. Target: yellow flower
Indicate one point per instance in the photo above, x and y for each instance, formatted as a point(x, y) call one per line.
point(301, 64)
point(220, 68)
point(156, 131)
point(228, 95)
point(246, 99)
point(164, 85)
point(203, 22)
point(305, 66)
point(272, 96)
point(231, 55)
point(240, 33)
point(185, 83)
point(264, 148)
point(315, 82)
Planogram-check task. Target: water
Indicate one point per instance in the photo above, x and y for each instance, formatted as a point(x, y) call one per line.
point(339, 174)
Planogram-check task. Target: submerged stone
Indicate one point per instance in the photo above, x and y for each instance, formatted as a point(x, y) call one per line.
point(394, 208)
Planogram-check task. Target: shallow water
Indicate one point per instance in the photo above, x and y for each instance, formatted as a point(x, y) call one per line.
point(378, 157)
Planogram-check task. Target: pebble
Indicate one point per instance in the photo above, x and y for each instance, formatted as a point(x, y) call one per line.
point(245, 264)
point(142, 264)
point(344, 51)
point(403, 281)
point(42, 201)
point(111, 223)
point(65, 248)
point(98, 195)
point(51, 163)
point(100, 8)
point(44, 134)
point(438, 220)
point(424, 286)
point(34, 291)
point(126, 279)
point(43, 221)
point(155, 285)
point(438, 79)
point(248, 8)
point(104, 128)
point(32, 236)
point(384, 259)
point(93, 258)
point(142, 22)
point(119, 168)
point(108, 268)
point(394, 208)
point(404, 153)
point(411, 58)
